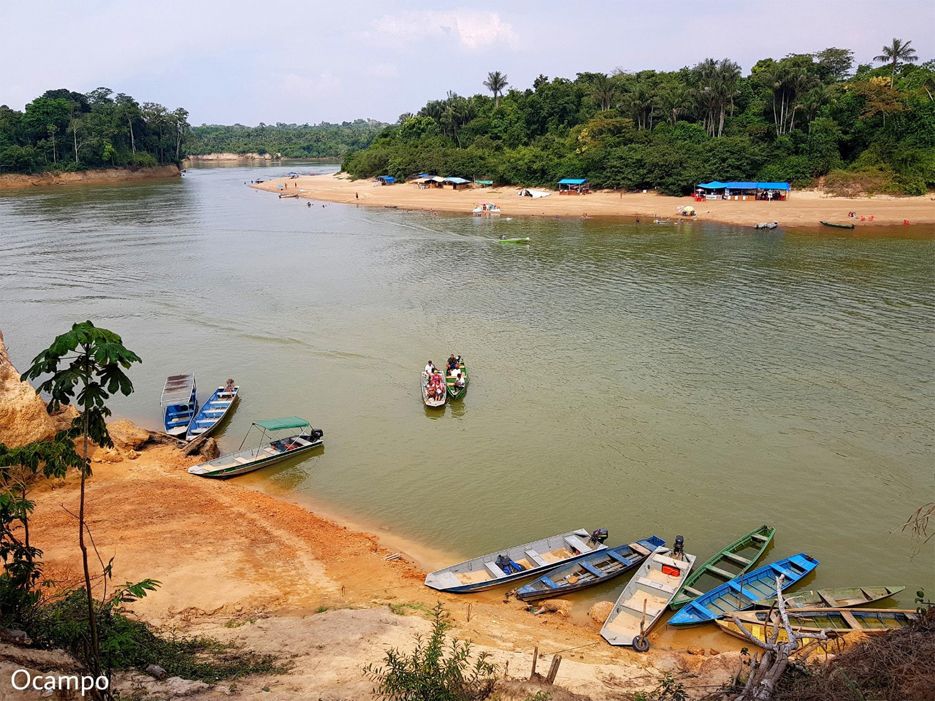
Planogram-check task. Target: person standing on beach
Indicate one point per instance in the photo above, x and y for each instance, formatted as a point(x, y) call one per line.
point(356, 196)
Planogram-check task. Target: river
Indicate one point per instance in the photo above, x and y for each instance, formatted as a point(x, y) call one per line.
point(698, 380)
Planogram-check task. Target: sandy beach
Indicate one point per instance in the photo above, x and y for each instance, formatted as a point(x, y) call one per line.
point(803, 208)
point(244, 566)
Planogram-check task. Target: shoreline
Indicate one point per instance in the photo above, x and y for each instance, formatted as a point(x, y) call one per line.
point(803, 210)
point(22, 181)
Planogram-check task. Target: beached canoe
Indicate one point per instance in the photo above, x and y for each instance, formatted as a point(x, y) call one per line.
point(596, 568)
point(451, 381)
point(837, 226)
point(518, 240)
point(836, 598)
point(832, 622)
point(267, 451)
point(740, 593)
point(179, 403)
point(431, 401)
point(766, 225)
point(731, 561)
point(645, 598)
point(212, 412)
point(513, 564)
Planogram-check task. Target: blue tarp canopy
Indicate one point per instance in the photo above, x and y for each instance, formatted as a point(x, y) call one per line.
point(457, 181)
point(743, 185)
point(425, 175)
point(386, 178)
point(573, 181)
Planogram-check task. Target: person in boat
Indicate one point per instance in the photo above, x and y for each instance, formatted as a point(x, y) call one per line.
point(452, 364)
point(503, 237)
point(439, 386)
point(229, 387)
point(430, 368)
point(460, 382)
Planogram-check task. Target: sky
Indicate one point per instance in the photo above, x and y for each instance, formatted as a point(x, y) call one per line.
point(307, 62)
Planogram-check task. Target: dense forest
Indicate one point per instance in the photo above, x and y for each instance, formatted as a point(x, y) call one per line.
point(289, 140)
point(793, 119)
point(66, 131)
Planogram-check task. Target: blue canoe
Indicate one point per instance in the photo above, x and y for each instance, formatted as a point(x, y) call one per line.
point(589, 571)
point(179, 403)
point(212, 412)
point(758, 584)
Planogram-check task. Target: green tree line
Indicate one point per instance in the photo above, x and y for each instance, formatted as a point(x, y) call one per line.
point(794, 119)
point(288, 140)
point(65, 130)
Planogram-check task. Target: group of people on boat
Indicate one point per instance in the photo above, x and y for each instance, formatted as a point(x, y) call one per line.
point(454, 370)
point(436, 382)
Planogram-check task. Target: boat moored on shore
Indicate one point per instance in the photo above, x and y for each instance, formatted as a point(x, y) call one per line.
point(213, 411)
point(179, 403)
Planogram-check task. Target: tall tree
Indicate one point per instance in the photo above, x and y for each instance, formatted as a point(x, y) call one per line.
point(85, 365)
point(603, 89)
point(897, 53)
point(496, 83)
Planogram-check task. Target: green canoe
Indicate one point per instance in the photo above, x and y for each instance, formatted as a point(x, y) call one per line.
point(836, 598)
point(728, 563)
point(453, 391)
point(838, 226)
point(522, 240)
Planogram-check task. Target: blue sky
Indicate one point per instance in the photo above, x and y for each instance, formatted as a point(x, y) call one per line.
point(302, 62)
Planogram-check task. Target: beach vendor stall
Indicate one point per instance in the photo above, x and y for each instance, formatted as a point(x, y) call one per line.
point(741, 190)
point(574, 186)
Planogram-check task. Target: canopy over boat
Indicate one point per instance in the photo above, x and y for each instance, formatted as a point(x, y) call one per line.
point(282, 424)
point(178, 390)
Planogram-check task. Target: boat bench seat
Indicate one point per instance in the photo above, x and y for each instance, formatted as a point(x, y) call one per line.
point(301, 441)
point(536, 557)
point(591, 568)
point(790, 577)
point(737, 558)
point(619, 558)
point(494, 570)
point(575, 543)
point(655, 585)
point(721, 573)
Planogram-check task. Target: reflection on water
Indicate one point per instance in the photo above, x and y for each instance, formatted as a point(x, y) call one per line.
point(696, 379)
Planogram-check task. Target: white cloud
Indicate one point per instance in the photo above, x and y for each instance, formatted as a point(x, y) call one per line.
point(471, 29)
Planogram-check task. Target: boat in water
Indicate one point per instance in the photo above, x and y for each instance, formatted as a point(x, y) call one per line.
point(485, 210)
point(835, 598)
point(515, 563)
point(504, 239)
point(431, 399)
point(456, 389)
point(591, 570)
point(267, 452)
point(179, 403)
point(213, 411)
point(740, 593)
point(728, 563)
point(761, 625)
point(643, 601)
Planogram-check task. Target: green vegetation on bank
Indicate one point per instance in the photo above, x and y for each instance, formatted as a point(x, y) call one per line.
point(794, 119)
point(69, 131)
point(287, 140)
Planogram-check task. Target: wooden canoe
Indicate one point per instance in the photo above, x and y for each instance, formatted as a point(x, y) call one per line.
point(728, 563)
point(453, 391)
point(649, 592)
point(520, 562)
point(591, 570)
point(837, 226)
point(431, 401)
point(838, 598)
point(833, 622)
point(740, 593)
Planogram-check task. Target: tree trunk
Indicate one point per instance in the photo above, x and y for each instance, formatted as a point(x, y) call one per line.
point(74, 131)
point(132, 140)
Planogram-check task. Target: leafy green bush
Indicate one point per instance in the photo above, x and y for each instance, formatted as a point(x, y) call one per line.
point(428, 674)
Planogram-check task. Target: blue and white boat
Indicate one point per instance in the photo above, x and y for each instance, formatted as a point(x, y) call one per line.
point(589, 571)
point(512, 564)
point(213, 411)
point(179, 404)
point(742, 592)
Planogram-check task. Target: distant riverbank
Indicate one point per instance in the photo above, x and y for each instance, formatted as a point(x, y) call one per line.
point(21, 181)
point(247, 158)
point(804, 208)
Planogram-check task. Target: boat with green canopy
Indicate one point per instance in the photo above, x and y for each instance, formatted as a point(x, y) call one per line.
point(730, 562)
point(303, 440)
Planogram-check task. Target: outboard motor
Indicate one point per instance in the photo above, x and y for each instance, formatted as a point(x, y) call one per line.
point(678, 549)
point(599, 536)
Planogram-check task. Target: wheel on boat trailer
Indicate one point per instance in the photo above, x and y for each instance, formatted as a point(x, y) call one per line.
point(641, 643)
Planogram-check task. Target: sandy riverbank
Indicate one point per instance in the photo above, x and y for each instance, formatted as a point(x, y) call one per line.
point(803, 208)
point(241, 565)
point(18, 181)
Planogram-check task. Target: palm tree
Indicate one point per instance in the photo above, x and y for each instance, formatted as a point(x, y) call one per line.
point(603, 90)
point(496, 83)
point(896, 53)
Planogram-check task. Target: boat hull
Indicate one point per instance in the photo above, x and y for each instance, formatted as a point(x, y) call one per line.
point(759, 538)
point(621, 559)
point(208, 419)
point(761, 625)
point(454, 392)
point(431, 402)
point(842, 597)
point(483, 572)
